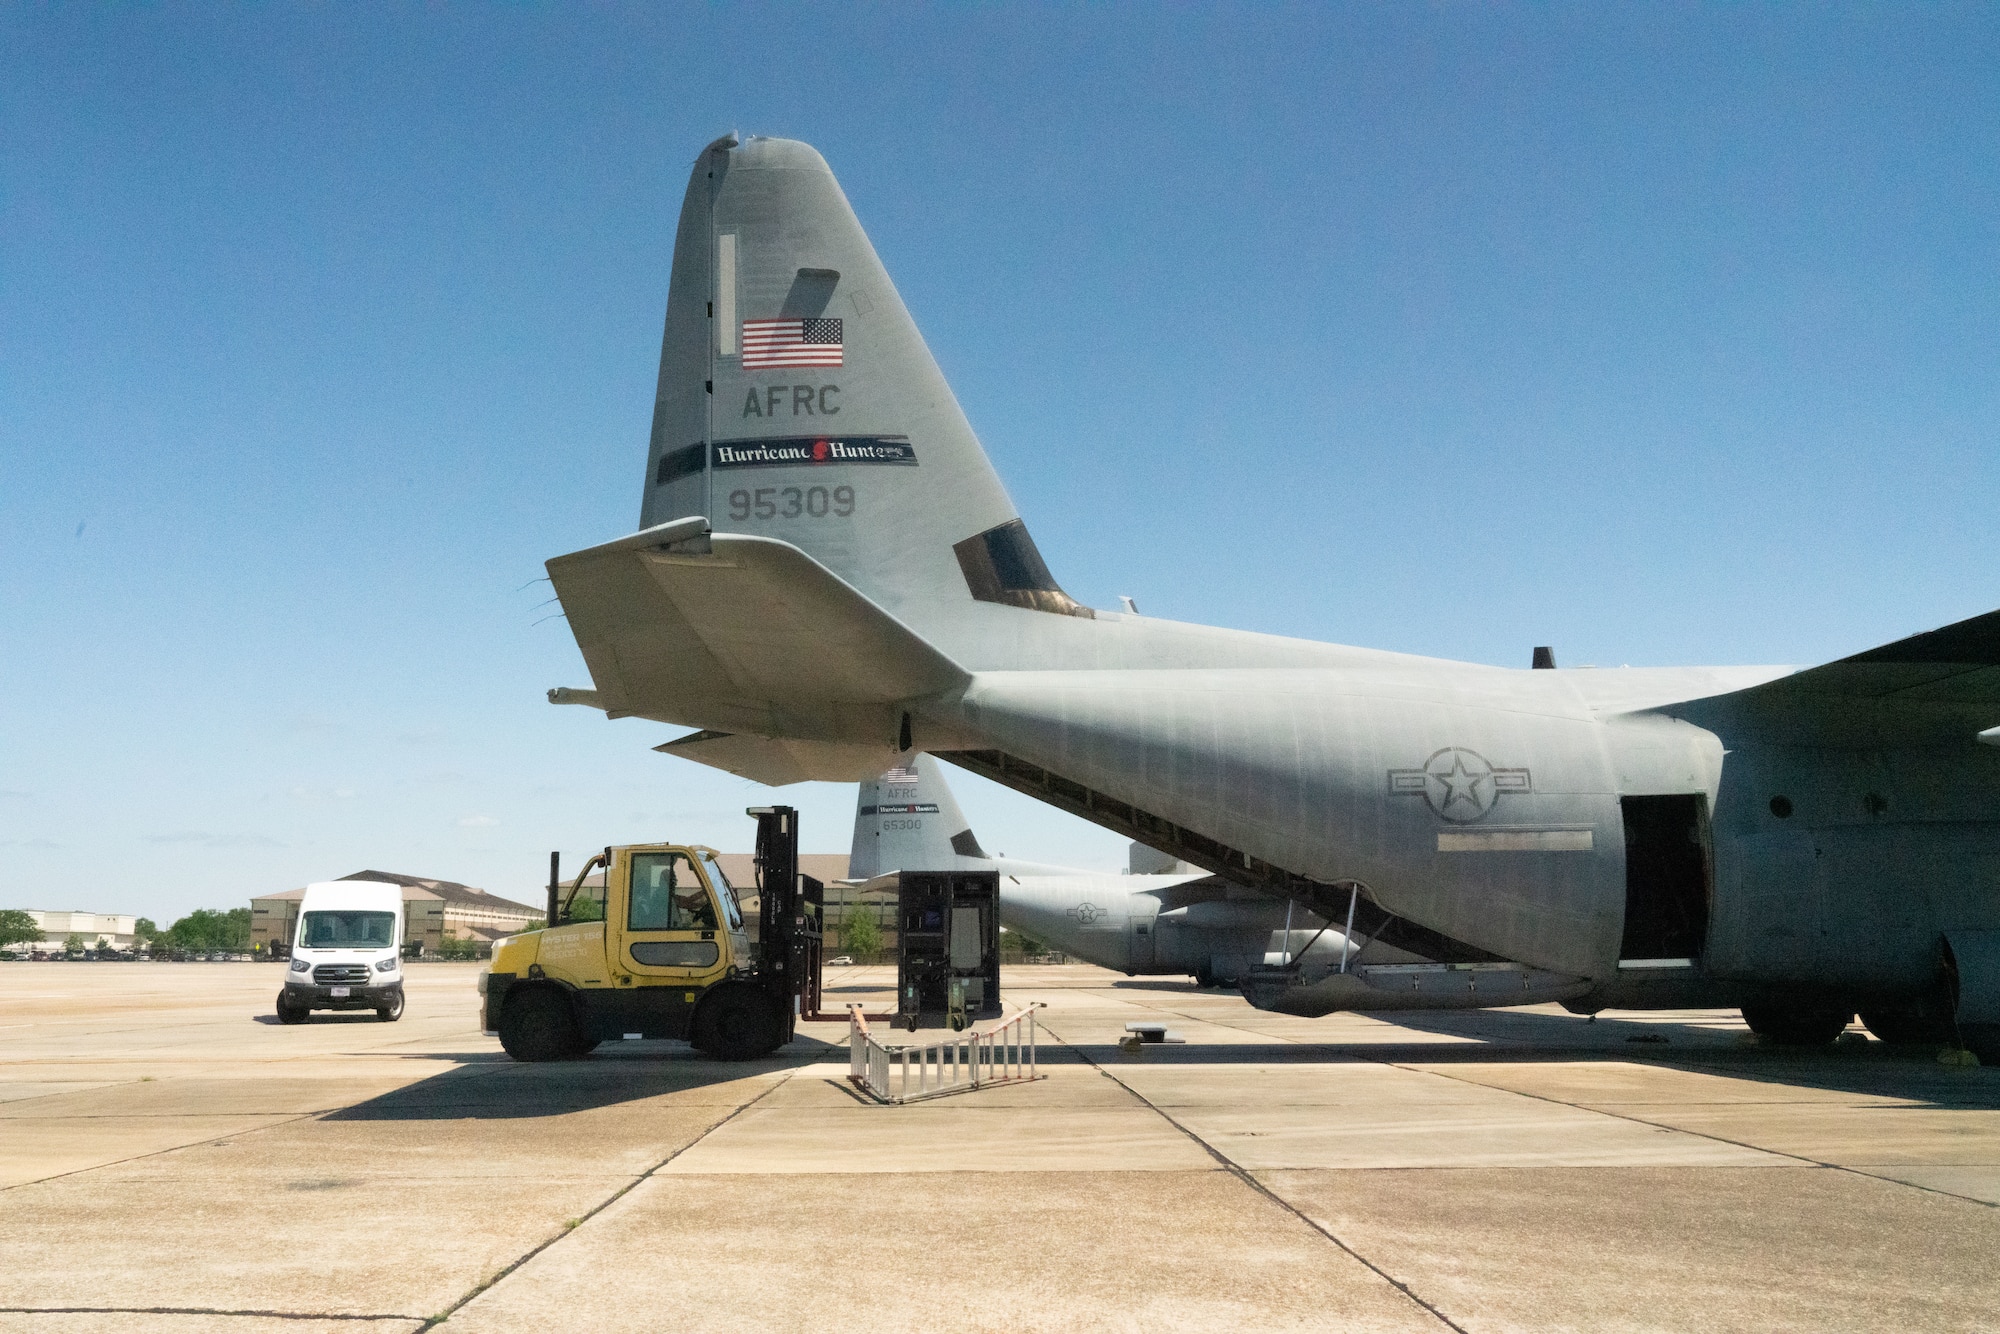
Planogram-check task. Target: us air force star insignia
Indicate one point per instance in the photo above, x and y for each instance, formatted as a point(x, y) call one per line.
point(1458, 783)
point(1086, 913)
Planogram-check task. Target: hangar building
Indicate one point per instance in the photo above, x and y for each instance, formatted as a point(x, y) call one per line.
point(432, 911)
point(58, 927)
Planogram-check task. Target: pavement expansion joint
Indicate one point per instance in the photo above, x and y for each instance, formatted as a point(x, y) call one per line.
point(282, 1120)
point(1803, 1160)
point(1235, 1170)
point(359, 1318)
point(572, 1225)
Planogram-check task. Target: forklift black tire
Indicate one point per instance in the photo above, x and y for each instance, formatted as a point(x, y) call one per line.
point(739, 1024)
point(289, 1013)
point(538, 1025)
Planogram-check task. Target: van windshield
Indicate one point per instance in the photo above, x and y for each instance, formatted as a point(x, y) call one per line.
point(348, 930)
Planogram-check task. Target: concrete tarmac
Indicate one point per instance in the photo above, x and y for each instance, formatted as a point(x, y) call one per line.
point(171, 1158)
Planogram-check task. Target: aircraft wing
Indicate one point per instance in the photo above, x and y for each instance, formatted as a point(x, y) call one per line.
point(746, 638)
point(1958, 664)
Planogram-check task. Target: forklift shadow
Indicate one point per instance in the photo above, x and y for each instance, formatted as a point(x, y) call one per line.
point(499, 1089)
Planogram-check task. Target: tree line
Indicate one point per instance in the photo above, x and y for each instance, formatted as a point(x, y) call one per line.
point(205, 930)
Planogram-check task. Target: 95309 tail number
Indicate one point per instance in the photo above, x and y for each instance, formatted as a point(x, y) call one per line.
point(791, 502)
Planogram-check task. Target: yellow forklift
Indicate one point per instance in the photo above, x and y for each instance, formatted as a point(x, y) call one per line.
point(663, 954)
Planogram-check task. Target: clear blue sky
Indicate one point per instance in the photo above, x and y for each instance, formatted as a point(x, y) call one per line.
point(1661, 334)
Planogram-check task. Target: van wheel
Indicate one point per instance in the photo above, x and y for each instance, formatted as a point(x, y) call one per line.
point(538, 1026)
point(289, 1013)
point(738, 1025)
point(390, 1013)
point(1797, 1025)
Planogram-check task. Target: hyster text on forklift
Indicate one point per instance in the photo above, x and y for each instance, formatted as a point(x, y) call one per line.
point(663, 954)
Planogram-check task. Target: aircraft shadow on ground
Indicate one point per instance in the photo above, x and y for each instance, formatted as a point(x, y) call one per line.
point(487, 1085)
point(1523, 1037)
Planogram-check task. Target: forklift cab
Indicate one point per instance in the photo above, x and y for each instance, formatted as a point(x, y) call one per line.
point(670, 915)
point(663, 887)
point(680, 923)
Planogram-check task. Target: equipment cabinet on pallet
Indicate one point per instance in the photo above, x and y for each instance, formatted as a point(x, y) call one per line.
point(947, 946)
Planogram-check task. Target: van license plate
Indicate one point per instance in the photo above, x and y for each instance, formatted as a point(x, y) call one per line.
point(340, 991)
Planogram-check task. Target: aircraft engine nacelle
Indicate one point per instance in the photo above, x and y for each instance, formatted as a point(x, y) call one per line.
point(1222, 941)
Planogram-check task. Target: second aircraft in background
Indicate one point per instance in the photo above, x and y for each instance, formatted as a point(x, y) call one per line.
point(1160, 917)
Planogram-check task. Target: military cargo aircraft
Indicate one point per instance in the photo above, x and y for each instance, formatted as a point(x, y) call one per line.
point(1162, 917)
point(828, 575)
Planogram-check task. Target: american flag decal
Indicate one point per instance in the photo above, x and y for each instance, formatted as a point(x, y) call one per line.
point(773, 344)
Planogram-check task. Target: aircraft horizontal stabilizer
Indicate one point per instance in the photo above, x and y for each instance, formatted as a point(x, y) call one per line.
point(1958, 664)
point(775, 762)
point(750, 637)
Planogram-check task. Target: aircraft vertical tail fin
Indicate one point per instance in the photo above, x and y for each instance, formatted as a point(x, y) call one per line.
point(797, 400)
point(907, 820)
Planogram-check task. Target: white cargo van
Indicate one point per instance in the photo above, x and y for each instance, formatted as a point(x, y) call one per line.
point(347, 954)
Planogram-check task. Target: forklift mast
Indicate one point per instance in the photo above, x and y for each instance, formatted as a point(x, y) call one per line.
point(790, 914)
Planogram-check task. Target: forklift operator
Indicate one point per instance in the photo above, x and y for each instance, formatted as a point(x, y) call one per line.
point(693, 910)
point(667, 895)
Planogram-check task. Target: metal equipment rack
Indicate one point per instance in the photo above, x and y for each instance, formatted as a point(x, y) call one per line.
point(947, 946)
